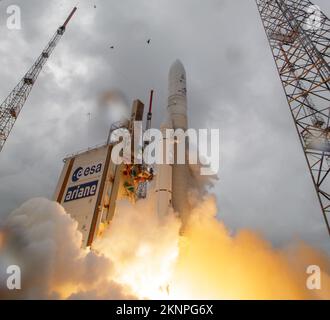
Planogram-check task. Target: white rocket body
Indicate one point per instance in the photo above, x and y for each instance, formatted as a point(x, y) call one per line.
point(177, 111)
point(177, 96)
point(171, 180)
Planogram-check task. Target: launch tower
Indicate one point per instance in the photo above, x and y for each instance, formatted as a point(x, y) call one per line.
point(299, 37)
point(11, 107)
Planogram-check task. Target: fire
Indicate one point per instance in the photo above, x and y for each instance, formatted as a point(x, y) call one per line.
point(206, 263)
point(146, 249)
point(141, 256)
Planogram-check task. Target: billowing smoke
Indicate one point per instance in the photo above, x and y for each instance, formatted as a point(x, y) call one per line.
point(143, 247)
point(113, 106)
point(213, 264)
point(143, 256)
point(43, 240)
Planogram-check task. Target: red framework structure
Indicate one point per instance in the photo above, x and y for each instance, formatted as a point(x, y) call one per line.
point(299, 37)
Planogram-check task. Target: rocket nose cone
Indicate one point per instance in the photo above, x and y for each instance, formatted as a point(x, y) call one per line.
point(177, 68)
point(177, 79)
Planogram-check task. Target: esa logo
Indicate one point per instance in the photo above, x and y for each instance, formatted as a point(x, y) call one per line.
point(85, 172)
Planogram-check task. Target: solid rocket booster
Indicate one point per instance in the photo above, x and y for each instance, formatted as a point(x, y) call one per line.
point(164, 181)
point(177, 110)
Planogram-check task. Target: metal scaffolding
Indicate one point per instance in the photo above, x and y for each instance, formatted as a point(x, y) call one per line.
point(299, 37)
point(11, 107)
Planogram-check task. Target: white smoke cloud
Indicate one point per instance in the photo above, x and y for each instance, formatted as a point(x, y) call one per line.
point(143, 256)
point(144, 247)
point(43, 240)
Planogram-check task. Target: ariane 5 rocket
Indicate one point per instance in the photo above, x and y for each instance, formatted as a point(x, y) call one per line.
point(172, 180)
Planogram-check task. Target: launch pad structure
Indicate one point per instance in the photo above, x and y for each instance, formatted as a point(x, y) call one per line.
point(298, 33)
point(90, 183)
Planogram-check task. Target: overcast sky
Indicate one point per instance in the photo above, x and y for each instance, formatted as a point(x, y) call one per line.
point(232, 85)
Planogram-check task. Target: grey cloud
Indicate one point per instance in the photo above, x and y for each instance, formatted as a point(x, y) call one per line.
point(233, 85)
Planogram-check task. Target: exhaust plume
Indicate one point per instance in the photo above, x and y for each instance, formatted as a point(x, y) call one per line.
point(142, 256)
